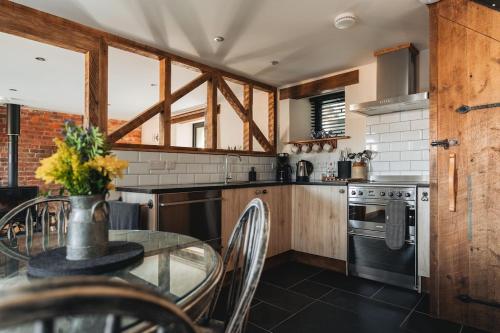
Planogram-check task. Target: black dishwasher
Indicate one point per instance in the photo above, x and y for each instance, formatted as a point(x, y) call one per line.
point(196, 214)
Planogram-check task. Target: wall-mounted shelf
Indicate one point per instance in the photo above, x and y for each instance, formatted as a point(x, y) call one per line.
point(332, 141)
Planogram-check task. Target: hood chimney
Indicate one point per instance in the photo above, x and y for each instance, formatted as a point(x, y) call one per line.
point(13, 131)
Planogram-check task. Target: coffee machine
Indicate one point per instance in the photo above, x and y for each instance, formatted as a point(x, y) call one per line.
point(283, 168)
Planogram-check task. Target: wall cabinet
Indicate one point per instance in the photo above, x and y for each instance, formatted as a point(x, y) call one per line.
point(320, 220)
point(423, 231)
point(279, 200)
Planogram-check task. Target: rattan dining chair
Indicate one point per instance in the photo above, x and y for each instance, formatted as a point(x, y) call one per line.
point(34, 216)
point(44, 305)
point(245, 253)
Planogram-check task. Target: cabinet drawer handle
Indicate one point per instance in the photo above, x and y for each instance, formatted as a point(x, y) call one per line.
point(257, 192)
point(341, 190)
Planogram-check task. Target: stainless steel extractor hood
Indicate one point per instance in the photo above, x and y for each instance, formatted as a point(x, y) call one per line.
point(396, 85)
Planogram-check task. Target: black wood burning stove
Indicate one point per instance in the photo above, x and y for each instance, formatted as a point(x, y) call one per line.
point(13, 195)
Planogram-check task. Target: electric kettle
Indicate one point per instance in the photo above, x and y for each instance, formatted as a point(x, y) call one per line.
point(304, 170)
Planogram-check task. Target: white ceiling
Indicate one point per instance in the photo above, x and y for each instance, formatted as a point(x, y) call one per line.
point(298, 33)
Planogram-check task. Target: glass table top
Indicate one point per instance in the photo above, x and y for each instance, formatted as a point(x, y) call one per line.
point(178, 266)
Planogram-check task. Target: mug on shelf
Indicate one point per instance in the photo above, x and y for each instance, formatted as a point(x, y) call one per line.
point(316, 147)
point(295, 149)
point(327, 147)
point(305, 148)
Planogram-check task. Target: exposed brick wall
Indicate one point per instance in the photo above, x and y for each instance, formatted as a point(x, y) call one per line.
point(38, 130)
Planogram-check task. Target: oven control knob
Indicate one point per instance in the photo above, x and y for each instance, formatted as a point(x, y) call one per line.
point(391, 194)
point(400, 194)
point(360, 192)
point(407, 194)
point(382, 194)
point(353, 192)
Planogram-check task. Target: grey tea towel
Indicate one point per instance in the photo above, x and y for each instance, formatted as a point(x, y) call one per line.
point(123, 215)
point(395, 224)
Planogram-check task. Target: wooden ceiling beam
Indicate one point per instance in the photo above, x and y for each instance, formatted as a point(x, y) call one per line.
point(231, 98)
point(191, 115)
point(242, 113)
point(320, 86)
point(166, 97)
point(247, 125)
point(187, 88)
point(136, 122)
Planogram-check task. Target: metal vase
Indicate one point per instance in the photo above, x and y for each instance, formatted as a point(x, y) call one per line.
point(87, 236)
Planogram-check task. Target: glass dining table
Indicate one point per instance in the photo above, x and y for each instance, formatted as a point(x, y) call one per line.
point(182, 268)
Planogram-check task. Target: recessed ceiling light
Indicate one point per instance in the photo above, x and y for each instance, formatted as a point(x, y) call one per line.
point(154, 85)
point(40, 59)
point(13, 89)
point(345, 20)
point(275, 62)
point(219, 39)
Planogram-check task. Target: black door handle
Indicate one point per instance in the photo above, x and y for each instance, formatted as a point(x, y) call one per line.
point(444, 143)
point(468, 299)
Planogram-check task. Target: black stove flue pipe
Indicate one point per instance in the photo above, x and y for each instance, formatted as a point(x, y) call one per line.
point(13, 131)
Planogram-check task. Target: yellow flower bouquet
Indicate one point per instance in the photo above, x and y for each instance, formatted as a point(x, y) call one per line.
point(82, 163)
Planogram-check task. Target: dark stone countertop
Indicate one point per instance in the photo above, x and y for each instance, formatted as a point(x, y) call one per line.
point(159, 189)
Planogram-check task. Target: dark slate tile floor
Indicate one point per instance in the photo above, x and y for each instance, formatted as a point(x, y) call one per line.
point(297, 298)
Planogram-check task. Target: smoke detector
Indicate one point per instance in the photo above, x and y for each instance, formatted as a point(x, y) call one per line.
point(345, 20)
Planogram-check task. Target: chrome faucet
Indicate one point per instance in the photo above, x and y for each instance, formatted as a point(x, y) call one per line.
point(227, 176)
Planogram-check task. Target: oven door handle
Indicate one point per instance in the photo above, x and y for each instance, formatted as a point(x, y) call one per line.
point(352, 233)
point(177, 203)
point(356, 204)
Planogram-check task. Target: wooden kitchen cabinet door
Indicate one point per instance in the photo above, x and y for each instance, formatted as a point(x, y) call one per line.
point(320, 220)
point(278, 199)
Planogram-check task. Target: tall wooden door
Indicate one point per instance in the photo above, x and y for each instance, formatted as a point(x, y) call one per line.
point(465, 179)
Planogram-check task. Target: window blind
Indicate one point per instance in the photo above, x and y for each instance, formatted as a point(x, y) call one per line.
point(328, 113)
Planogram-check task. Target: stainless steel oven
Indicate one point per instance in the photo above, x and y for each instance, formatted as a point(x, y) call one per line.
point(368, 255)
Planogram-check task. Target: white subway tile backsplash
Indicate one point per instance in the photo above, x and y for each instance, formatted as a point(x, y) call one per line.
point(202, 158)
point(186, 158)
point(400, 127)
point(420, 124)
point(418, 145)
point(128, 180)
point(381, 166)
point(390, 118)
point(201, 178)
point(373, 138)
point(146, 156)
point(390, 137)
point(411, 155)
point(411, 115)
point(136, 168)
point(155, 168)
point(194, 168)
point(149, 180)
point(411, 135)
point(131, 156)
point(210, 168)
point(420, 165)
point(390, 156)
point(399, 146)
point(401, 142)
point(185, 179)
point(168, 179)
point(168, 157)
point(400, 166)
point(380, 128)
point(372, 120)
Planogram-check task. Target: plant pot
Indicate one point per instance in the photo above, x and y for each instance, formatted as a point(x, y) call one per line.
point(88, 222)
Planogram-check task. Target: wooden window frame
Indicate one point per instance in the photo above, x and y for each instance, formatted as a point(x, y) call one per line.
point(26, 22)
